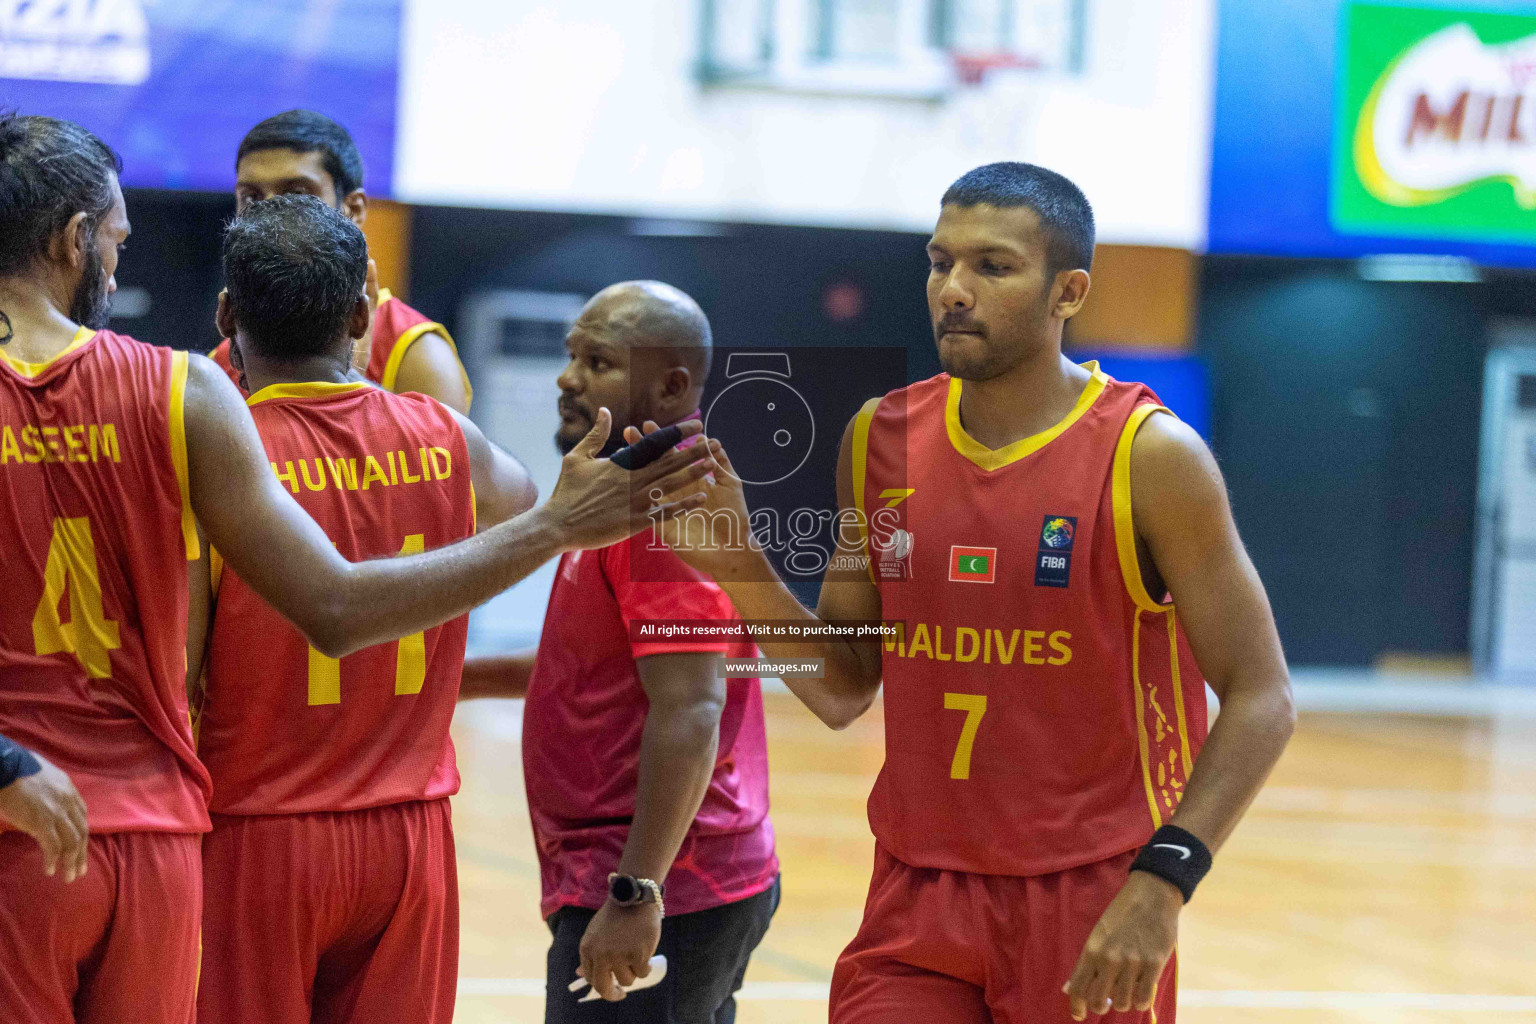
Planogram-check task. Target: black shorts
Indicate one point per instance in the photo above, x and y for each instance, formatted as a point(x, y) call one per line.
point(707, 954)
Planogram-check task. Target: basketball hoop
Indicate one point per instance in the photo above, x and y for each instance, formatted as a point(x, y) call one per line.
point(972, 68)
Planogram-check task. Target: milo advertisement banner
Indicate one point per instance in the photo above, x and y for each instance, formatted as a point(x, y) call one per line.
point(1435, 134)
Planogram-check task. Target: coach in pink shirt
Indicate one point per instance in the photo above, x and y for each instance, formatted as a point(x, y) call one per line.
point(647, 772)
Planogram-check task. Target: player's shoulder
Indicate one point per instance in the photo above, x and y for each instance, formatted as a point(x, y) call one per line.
point(1171, 466)
point(124, 350)
point(1162, 438)
point(901, 402)
point(420, 413)
point(398, 312)
point(123, 343)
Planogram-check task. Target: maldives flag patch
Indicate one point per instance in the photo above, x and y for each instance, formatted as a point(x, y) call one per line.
point(972, 565)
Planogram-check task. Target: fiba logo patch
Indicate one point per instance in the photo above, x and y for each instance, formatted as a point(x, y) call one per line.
point(1053, 562)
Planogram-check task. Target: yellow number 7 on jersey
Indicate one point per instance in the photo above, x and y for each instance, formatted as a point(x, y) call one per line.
point(974, 705)
point(410, 655)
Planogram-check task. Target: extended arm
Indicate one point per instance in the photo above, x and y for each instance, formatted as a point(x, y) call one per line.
point(499, 675)
point(342, 607)
point(1185, 533)
point(677, 758)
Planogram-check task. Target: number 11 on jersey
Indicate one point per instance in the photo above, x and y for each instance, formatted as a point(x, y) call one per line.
point(410, 656)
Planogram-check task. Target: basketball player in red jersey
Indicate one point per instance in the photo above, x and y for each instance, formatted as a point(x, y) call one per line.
point(111, 452)
point(1059, 555)
point(329, 878)
point(304, 153)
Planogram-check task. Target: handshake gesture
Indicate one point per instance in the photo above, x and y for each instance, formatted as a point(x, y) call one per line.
point(597, 502)
point(709, 529)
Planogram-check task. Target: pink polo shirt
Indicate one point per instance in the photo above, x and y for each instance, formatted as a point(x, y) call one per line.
point(582, 727)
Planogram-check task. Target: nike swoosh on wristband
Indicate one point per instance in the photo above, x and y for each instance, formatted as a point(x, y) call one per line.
point(1183, 850)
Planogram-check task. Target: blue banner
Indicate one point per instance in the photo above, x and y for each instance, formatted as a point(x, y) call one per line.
point(173, 85)
point(1283, 96)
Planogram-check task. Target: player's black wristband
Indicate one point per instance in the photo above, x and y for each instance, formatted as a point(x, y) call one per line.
point(1176, 856)
point(16, 762)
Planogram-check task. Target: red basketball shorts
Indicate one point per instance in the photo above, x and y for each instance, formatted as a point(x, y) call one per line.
point(350, 916)
point(118, 945)
point(947, 947)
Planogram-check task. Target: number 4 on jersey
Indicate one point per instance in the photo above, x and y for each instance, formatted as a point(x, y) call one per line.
point(88, 634)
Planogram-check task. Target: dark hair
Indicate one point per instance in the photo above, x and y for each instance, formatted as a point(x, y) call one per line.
point(305, 131)
point(50, 170)
point(294, 268)
point(1064, 211)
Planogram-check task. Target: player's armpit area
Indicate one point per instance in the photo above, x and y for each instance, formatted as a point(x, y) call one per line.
point(503, 488)
point(1182, 515)
point(199, 618)
point(431, 366)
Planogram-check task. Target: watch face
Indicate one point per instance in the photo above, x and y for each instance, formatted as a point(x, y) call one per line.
point(624, 889)
point(765, 425)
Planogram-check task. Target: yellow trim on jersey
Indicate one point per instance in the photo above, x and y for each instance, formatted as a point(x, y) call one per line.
point(1125, 529)
point(179, 453)
point(989, 458)
point(308, 389)
point(82, 336)
point(1178, 694)
point(215, 569)
point(1141, 721)
point(860, 464)
point(409, 337)
point(474, 510)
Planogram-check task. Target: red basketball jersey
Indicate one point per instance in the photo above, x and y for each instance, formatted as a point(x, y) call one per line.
point(396, 327)
point(1042, 711)
point(98, 530)
point(284, 729)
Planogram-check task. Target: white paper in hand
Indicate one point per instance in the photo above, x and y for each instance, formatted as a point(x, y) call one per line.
point(658, 972)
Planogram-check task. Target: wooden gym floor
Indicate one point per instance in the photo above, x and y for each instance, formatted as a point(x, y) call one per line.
point(1387, 874)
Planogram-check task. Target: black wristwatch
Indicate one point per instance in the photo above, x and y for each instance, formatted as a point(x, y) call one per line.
point(629, 891)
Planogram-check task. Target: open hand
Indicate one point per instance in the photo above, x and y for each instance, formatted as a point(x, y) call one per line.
point(598, 503)
point(716, 537)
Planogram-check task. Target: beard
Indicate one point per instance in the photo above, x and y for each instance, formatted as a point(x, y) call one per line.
point(988, 356)
point(568, 438)
point(91, 305)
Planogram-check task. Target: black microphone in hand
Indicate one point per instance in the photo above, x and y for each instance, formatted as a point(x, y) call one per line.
point(648, 449)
